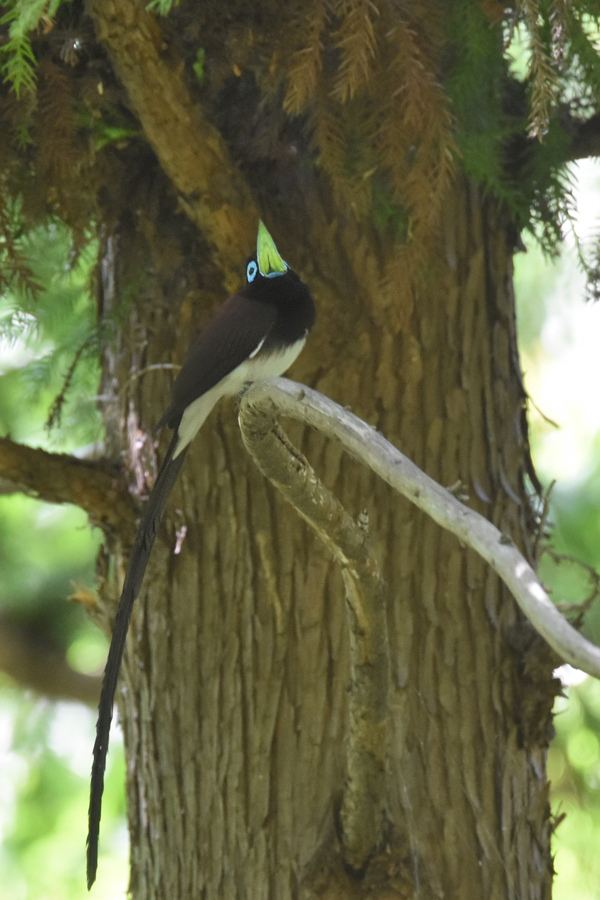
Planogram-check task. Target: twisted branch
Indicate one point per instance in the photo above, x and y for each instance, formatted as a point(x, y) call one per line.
point(363, 806)
point(282, 397)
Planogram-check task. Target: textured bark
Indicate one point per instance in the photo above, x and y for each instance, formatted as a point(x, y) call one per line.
point(469, 774)
point(234, 696)
point(362, 813)
point(235, 689)
point(192, 152)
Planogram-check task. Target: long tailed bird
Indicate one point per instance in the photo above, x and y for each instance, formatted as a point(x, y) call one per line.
point(257, 333)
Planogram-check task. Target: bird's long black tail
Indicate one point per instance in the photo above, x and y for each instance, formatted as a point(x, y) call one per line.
point(133, 581)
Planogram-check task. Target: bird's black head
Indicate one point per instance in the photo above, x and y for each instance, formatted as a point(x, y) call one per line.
point(269, 279)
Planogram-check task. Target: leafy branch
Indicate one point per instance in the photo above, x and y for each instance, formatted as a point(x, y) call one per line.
point(23, 18)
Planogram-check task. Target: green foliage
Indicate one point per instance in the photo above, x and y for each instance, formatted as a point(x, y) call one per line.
point(543, 290)
point(576, 538)
point(42, 548)
point(475, 87)
point(406, 92)
point(545, 199)
point(43, 769)
point(16, 275)
point(59, 322)
point(198, 67)
point(369, 76)
point(112, 128)
point(387, 214)
point(590, 255)
point(501, 121)
point(583, 57)
point(18, 59)
point(505, 89)
point(44, 780)
point(573, 769)
point(162, 7)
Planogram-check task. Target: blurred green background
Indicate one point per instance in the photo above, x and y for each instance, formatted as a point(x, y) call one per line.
point(559, 335)
point(47, 553)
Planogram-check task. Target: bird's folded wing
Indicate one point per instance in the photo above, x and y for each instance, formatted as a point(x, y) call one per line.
point(232, 337)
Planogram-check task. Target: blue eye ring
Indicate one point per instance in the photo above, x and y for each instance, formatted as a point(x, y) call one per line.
point(251, 271)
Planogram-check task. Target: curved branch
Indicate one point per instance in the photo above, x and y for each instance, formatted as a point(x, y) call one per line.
point(60, 478)
point(191, 150)
point(282, 397)
point(364, 802)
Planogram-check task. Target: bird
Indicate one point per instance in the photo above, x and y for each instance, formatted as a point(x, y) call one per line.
point(257, 333)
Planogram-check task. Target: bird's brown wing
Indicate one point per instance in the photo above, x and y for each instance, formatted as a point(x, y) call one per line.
point(230, 338)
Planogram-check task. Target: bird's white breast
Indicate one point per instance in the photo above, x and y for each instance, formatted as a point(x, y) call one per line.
point(254, 368)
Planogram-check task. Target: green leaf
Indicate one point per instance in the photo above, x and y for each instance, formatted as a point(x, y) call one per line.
point(162, 7)
point(198, 66)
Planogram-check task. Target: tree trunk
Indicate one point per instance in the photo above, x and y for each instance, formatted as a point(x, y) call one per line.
point(234, 696)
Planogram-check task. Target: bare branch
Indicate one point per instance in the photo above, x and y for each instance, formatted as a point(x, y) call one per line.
point(364, 802)
point(278, 396)
point(190, 149)
point(33, 664)
point(60, 478)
